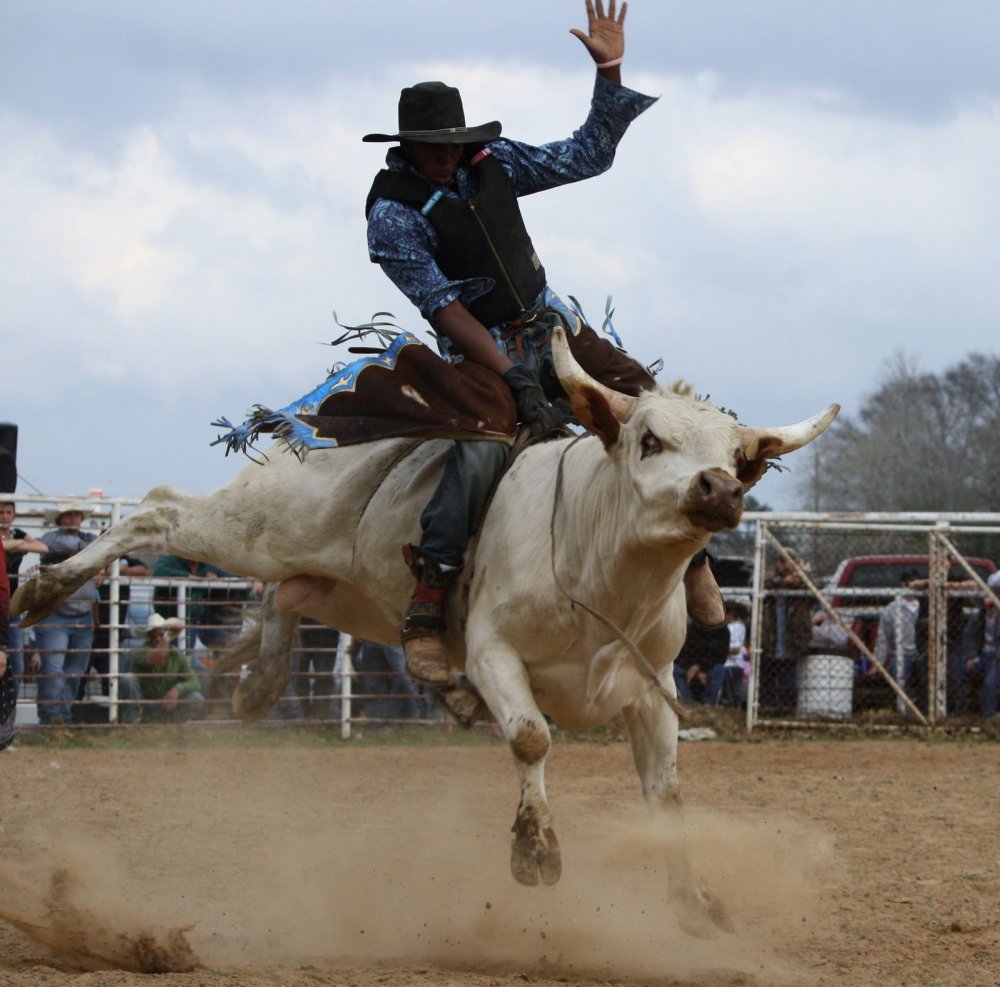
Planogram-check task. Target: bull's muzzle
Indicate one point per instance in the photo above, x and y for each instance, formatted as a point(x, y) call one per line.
point(714, 500)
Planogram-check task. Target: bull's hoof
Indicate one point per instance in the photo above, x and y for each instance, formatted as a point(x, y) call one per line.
point(536, 856)
point(702, 915)
point(256, 695)
point(34, 601)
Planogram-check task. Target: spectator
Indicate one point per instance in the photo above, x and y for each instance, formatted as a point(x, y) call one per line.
point(699, 669)
point(64, 638)
point(161, 684)
point(100, 648)
point(386, 692)
point(8, 682)
point(314, 684)
point(955, 651)
point(896, 641)
point(984, 651)
point(210, 614)
point(16, 544)
point(736, 670)
point(786, 632)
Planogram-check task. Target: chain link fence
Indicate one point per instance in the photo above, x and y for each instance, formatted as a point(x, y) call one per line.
point(885, 619)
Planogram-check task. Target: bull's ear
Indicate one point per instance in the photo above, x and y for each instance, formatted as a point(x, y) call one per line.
point(595, 414)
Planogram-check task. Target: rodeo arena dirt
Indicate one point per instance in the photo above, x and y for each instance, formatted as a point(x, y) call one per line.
point(843, 808)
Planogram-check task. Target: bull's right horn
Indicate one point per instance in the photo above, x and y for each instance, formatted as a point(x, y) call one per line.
point(574, 378)
point(777, 441)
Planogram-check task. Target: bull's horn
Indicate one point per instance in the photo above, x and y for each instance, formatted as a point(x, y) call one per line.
point(574, 378)
point(776, 441)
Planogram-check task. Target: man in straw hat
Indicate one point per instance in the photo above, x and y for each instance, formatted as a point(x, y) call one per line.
point(444, 225)
point(161, 683)
point(65, 638)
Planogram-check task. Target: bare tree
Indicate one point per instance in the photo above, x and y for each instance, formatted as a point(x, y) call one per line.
point(921, 442)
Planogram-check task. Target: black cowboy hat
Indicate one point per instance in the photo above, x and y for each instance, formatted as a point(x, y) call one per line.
point(432, 113)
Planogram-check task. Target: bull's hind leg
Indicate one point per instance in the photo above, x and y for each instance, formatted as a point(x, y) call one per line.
point(267, 649)
point(652, 731)
point(503, 683)
point(150, 525)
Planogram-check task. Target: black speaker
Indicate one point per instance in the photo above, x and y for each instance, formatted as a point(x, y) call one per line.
point(8, 457)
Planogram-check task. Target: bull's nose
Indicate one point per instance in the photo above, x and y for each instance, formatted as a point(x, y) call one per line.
point(714, 500)
point(717, 485)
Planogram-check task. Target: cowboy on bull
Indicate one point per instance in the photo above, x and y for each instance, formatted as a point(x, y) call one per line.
point(444, 225)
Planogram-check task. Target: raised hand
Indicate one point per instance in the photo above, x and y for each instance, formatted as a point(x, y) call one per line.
point(605, 35)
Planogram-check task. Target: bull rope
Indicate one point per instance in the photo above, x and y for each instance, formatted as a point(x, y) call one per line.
point(640, 659)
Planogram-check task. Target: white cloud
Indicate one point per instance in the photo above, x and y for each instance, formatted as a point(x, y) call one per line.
point(774, 248)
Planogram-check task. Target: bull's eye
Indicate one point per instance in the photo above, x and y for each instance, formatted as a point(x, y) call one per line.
point(651, 445)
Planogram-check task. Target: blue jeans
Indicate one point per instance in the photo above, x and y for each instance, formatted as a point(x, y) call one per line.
point(725, 684)
point(64, 644)
point(15, 646)
point(389, 693)
point(988, 666)
point(453, 513)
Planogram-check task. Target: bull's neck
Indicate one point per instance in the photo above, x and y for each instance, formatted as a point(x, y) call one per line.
point(603, 532)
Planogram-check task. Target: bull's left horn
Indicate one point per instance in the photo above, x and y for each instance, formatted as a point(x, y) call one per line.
point(574, 378)
point(777, 441)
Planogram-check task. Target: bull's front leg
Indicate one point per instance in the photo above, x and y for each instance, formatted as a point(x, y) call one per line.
point(652, 730)
point(500, 676)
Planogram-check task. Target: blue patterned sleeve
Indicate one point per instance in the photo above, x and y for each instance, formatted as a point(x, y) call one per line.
point(589, 152)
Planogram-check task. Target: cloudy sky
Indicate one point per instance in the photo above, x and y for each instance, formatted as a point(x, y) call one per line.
point(182, 190)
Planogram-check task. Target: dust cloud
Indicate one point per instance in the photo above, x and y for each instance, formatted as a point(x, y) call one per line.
point(73, 901)
point(430, 888)
point(437, 890)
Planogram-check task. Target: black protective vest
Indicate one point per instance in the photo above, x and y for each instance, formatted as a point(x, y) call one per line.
point(479, 237)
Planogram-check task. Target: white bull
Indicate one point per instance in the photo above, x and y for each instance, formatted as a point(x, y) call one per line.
point(610, 520)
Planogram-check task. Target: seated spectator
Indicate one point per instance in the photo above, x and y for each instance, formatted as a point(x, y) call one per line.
point(699, 669)
point(213, 616)
point(161, 685)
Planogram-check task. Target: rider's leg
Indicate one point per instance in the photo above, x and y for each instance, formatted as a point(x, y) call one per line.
point(704, 600)
point(448, 521)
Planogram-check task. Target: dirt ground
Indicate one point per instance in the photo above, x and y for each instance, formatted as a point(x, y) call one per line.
point(319, 862)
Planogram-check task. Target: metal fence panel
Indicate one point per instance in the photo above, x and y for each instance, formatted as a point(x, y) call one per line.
point(821, 628)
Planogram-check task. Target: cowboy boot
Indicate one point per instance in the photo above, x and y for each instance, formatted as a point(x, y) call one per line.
point(423, 624)
point(423, 645)
point(704, 600)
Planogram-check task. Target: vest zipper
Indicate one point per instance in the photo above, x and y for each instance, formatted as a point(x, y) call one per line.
point(496, 254)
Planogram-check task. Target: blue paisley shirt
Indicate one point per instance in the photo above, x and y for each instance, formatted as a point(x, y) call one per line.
point(403, 241)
